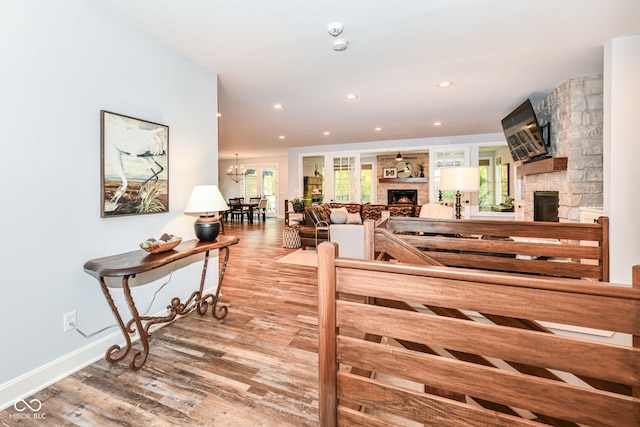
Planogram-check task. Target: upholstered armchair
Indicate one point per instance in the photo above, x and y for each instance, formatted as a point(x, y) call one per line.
point(436, 210)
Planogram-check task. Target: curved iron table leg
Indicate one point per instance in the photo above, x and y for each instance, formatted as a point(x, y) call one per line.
point(210, 299)
point(115, 353)
point(139, 357)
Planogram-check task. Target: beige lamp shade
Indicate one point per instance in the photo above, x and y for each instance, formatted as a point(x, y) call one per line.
point(206, 199)
point(459, 179)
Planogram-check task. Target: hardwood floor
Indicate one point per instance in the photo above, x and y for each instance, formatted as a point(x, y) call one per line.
point(258, 367)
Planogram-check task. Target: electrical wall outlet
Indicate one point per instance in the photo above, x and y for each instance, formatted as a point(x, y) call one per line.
point(70, 321)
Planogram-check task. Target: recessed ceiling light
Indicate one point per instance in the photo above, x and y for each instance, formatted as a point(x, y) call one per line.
point(437, 123)
point(351, 96)
point(445, 83)
point(278, 106)
point(326, 133)
point(281, 137)
point(377, 129)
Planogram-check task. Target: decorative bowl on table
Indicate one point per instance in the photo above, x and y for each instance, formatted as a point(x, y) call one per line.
point(163, 244)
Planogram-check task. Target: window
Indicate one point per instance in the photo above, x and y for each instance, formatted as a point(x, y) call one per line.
point(344, 179)
point(366, 183)
point(494, 179)
point(250, 183)
point(445, 159)
point(485, 193)
point(260, 181)
point(269, 189)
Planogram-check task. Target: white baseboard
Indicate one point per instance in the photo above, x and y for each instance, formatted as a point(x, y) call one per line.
point(45, 375)
point(32, 382)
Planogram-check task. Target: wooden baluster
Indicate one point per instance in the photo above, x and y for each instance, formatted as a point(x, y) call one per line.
point(328, 366)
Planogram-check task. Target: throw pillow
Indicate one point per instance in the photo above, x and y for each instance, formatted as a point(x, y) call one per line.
point(342, 209)
point(354, 218)
point(338, 216)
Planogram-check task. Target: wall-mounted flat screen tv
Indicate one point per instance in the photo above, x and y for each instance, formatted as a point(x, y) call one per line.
point(524, 134)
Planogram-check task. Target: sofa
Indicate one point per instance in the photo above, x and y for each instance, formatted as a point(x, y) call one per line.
point(317, 219)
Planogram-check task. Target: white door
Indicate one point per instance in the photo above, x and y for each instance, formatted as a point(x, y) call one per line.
point(262, 181)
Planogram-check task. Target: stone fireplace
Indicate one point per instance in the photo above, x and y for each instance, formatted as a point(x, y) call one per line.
point(575, 113)
point(418, 185)
point(402, 197)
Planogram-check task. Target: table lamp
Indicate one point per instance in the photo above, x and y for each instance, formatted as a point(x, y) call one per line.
point(206, 200)
point(459, 179)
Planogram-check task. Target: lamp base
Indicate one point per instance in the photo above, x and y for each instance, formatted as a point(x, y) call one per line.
point(458, 205)
point(207, 228)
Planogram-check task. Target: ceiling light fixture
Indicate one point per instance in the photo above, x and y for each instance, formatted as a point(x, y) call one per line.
point(326, 132)
point(278, 106)
point(444, 83)
point(351, 96)
point(437, 123)
point(378, 129)
point(281, 137)
point(236, 173)
point(340, 45)
point(335, 29)
point(399, 157)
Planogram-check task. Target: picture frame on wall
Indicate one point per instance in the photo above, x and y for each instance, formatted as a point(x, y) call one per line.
point(134, 166)
point(389, 173)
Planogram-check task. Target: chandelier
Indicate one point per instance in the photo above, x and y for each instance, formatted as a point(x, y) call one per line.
point(236, 173)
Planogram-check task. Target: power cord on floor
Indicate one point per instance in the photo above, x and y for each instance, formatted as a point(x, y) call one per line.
point(87, 336)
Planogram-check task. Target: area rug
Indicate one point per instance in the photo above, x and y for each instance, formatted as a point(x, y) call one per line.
point(308, 258)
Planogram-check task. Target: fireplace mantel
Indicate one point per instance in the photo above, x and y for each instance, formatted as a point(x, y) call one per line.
point(403, 180)
point(543, 166)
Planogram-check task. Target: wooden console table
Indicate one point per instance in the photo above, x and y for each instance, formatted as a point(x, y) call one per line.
point(128, 264)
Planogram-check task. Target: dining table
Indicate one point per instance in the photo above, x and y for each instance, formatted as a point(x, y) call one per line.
point(249, 206)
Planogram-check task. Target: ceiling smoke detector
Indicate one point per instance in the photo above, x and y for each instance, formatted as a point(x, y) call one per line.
point(335, 29)
point(340, 45)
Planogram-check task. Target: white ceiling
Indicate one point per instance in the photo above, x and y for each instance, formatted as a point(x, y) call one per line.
point(496, 52)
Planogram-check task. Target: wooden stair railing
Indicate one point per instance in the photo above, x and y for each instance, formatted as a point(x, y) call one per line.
point(506, 299)
point(510, 246)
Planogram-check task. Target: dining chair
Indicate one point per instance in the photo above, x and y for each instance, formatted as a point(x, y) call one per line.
point(261, 210)
point(236, 209)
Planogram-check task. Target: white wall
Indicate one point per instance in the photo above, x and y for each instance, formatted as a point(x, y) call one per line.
point(62, 62)
point(621, 154)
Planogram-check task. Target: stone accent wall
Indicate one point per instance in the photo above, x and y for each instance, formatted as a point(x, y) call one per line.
point(390, 162)
point(575, 112)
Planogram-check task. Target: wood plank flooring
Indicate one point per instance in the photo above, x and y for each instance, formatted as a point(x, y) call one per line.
point(258, 367)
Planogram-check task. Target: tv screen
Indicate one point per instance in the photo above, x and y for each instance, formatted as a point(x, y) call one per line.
point(523, 133)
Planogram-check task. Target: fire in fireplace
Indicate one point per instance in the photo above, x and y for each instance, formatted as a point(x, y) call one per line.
point(402, 197)
point(545, 206)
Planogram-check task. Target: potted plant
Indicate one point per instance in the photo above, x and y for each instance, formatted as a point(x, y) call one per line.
point(298, 204)
point(421, 167)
